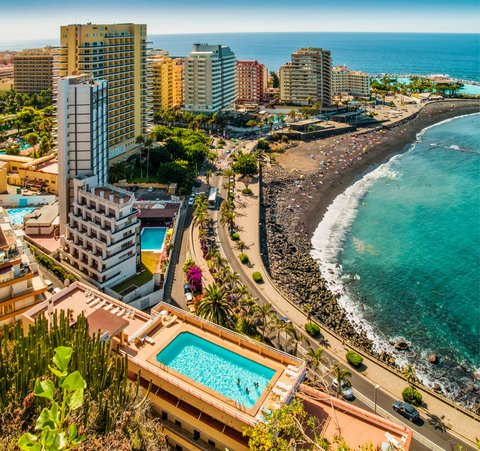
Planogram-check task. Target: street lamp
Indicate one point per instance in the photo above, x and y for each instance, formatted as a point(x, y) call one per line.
point(375, 396)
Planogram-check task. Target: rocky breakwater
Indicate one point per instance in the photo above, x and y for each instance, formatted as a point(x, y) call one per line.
point(285, 248)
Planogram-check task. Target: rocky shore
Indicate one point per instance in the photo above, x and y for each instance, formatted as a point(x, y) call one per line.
point(294, 202)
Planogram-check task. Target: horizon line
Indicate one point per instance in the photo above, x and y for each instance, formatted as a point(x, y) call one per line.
point(271, 32)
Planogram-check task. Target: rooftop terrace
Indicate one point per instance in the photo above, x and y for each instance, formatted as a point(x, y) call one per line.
point(142, 337)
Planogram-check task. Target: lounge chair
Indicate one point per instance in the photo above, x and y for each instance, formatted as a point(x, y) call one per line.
point(282, 395)
point(121, 312)
point(293, 368)
point(109, 307)
point(291, 374)
point(283, 386)
point(149, 340)
point(95, 302)
point(115, 310)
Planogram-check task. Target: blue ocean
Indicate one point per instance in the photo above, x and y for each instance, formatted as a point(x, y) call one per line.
point(407, 237)
point(416, 53)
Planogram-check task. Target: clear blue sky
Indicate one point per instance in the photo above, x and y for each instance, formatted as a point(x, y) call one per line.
point(35, 19)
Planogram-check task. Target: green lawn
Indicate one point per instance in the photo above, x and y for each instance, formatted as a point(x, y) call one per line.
point(149, 262)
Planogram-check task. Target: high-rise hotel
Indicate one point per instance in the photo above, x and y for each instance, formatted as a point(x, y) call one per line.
point(209, 79)
point(308, 78)
point(99, 227)
point(116, 53)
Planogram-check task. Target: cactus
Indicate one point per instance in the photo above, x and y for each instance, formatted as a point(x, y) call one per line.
point(24, 358)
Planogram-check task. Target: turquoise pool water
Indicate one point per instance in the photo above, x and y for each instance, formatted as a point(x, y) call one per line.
point(153, 238)
point(217, 368)
point(17, 214)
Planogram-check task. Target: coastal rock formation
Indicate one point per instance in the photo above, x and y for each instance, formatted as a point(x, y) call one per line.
point(286, 253)
point(432, 358)
point(401, 345)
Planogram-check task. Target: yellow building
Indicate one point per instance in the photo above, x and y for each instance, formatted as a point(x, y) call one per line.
point(39, 174)
point(33, 70)
point(21, 285)
point(116, 53)
point(167, 82)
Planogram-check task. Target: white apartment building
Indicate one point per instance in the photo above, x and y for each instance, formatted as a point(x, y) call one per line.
point(82, 106)
point(349, 82)
point(21, 285)
point(209, 79)
point(101, 240)
point(98, 223)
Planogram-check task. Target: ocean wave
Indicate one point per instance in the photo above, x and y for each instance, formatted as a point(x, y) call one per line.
point(327, 243)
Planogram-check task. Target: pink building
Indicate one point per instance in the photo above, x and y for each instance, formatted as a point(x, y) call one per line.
point(251, 82)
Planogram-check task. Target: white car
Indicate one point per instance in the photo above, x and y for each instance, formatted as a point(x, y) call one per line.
point(189, 298)
point(190, 201)
point(150, 189)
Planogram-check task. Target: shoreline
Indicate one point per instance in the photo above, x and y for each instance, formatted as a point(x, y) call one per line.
point(295, 203)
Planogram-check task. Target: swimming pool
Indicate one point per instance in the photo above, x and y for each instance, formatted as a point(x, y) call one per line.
point(153, 238)
point(17, 214)
point(217, 368)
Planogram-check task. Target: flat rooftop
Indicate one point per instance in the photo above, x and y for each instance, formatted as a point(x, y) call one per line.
point(142, 337)
point(117, 195)
point(355, 425)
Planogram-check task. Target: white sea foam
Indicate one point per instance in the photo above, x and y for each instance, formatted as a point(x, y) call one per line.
point(327, 242)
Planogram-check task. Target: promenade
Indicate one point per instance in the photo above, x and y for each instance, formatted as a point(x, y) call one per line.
point(441, 415)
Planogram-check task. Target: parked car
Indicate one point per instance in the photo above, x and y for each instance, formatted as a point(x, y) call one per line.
point(190, 201)
point(406, 410)
point(346, 390)
point(189, 298)
point(285, 320)
point(150, 189)
point(187, 288)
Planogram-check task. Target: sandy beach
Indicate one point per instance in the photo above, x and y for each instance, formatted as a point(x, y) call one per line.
point(294, 202)
point(328, 166)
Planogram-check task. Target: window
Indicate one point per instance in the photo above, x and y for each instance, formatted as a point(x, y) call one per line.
point(196, 434)
point(164, 415)
point(212, 443)
point(178, 423)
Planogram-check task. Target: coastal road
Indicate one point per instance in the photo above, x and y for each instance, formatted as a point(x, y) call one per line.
point(428, 433)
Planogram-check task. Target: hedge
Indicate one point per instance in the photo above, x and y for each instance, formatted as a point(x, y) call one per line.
point(257, 277)
point(235, 236)
point(247, 192)
point(412, 396)
point(354, 359)
point(57, 270)
point(244, 258)
point(312, 329)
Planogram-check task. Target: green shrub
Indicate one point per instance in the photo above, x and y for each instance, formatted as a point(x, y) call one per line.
point(412, 396)
point(247, 191)
point(354, 359)
point(312, 329)
point(244, 258)
point(235, 236)
point(57, 270)
point(257, 277)
point(285, 139)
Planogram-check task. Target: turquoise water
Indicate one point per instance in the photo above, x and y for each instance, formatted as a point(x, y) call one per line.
point(17, 214)
point(217, 368)
point(395, 53)
point(153, 238)
point(408, 239)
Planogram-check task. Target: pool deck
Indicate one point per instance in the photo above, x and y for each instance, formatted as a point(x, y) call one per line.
point(142, 336)
point(175, 321)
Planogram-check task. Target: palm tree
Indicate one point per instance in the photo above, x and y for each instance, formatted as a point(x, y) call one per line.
point(241, 246)
point(342, 377)
point(215, 307)
point(228, 172)
point(410, 373)
point(246, 325)
point(264, 312)
point(208, 174)
point(240, 291)
point(314, 359)
point(278, 326)
point(227, 218)
point(294, 338)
